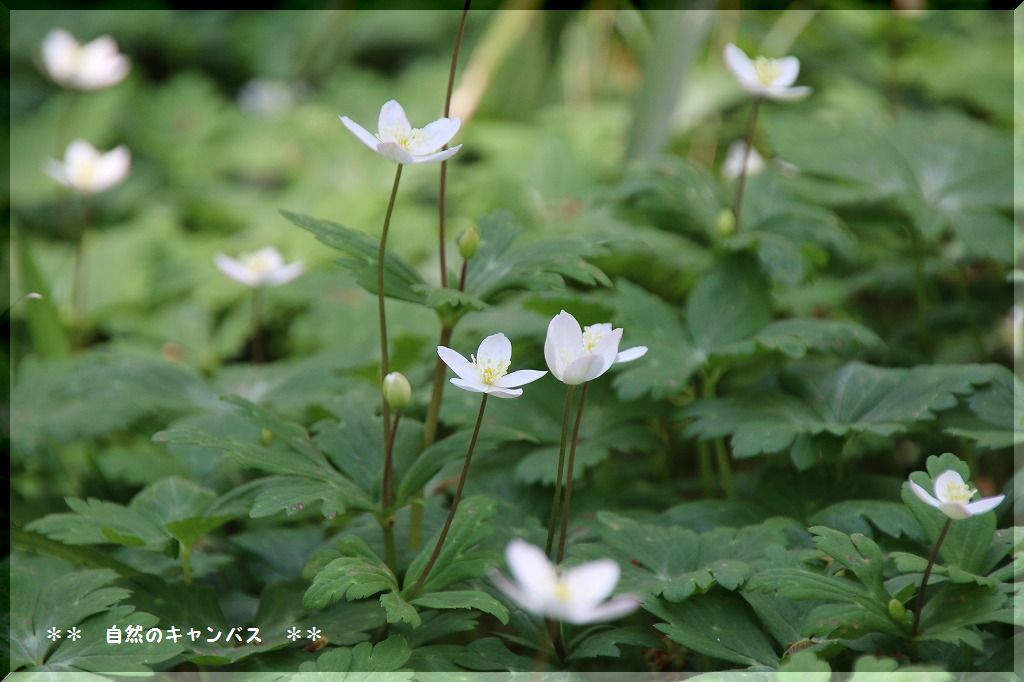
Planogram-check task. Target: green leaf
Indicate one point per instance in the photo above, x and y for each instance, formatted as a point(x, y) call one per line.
point(400, 280)
point(729, 304)
point(955, 608)
point(606, 642)
point(48, 337)
point(996, 414)
point(718, 625)
point(795, 337)
point(856, 398)
point(463, 556)
point(860, 516)
point(464, 599)
point(808, 666)
point(398, 610)
point(364, 662)
point(358, 574)
point(675, 562)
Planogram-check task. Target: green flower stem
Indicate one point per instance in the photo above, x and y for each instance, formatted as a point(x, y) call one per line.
point(444, 164)
point(742, 179)
point(185, 557)
point(721, 451)
point(257, 325)
point(927, 574)
point(455, 504)
point(568, 476)
point(706, 471)
point(387, 496)
point(382, 318)
point(429, 435)
point(553, 515)
point(78, 293)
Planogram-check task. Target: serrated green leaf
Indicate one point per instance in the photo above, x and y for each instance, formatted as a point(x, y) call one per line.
point(398, 610)
point(358, 574)
point(462, 557)
point(364, 662)
point(463, 599)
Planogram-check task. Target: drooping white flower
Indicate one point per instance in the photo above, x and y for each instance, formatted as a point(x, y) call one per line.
point(487, 371)
point(576, 355)
point(87, 170)
point(265, 267)
point(398, 141)
point(577, 595)
point(764, 77)
point(733, 164)
point(92, 66)
point(953, 497)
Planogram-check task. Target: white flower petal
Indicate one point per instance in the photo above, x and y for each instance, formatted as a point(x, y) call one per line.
point(459, 364)
point(392, 122)
point(610, 610)
point(733, 164)
point(582, 369)
point(80, 153)
point(955, 510)
point(437, 157)
point(740, 65)
point(789, 69)
point(284, 274)
point(359, 131)
point(499, 392)
point(234, 269)
point(985, 504)
point(435, 135)
point(471, 386)
point(531, 569)
point(563, 343)
point(519, 378)
point(631, 354)
point(943, 481)
point(924, 495)
point(269, 257)
point(608, 349)
point(523, 599)
point(60, 54)
point(592, 582)
point(111, 169)
point(789, 94)
point(496, 349)
point(390, 150)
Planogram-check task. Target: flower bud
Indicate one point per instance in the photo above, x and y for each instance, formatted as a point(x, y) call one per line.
point(897, 611)
point(726, 223)
point(397, 390)
point(469, 242)
point(266, 436)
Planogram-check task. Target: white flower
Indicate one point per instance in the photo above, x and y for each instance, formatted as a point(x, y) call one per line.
point(576, 355)
point(733, 163)
point(576, 595)
point(397, 140)
point(487, 371)
point(261, 268)
point(89, 171)
point(764, 77)
point(91, 66)
point(953, 497)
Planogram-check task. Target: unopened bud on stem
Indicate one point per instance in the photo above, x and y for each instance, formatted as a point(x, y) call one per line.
point(469, 242)
point(397, 391)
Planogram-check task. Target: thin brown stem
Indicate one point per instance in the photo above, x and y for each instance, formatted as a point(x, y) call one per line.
point(381, 316)
point(462, 275)
point(569, 475)
point(927, 574)
point(553, 515)
point(741, 181)
point(455, 504)
point(387, 492)
point(444, 164)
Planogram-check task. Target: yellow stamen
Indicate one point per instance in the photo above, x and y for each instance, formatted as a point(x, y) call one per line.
point(562, 592)
point(591, 337)
point(490, 370)
point(767, 70)
point(958, 492)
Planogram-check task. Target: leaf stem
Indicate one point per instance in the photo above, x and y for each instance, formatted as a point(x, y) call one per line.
point(553, 515)
point(257, 325)
point(382, 318)
point(742, 180)
point(429, 435)
point(185, 557)
point(927, 574)
point(725, 469)
point(569, 475)
point(78, 295)
point(444, 164)
point(455, 504)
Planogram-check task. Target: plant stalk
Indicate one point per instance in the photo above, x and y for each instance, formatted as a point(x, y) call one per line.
point(569, 475)
point(455, 503)
point(553, 516)
point(385, 413)
point(927, 574)
point(387, 496)
point(742, 180)
point(257, 325)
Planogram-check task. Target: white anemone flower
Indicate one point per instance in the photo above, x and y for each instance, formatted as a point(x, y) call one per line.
point(398, 141)
point(92, 66)
point(733, 164)
point(487, 371)
point(87, 170)
point(764, 77)
point(265, 267)
point(953, 497)
point(576, 595)
point(576, 355)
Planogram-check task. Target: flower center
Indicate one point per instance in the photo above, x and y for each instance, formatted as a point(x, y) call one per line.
point(958, 492)
point(490, 370)
point(84, 172)
point(591, 337)
point(767, 70)
point(407, 140)
point(256, 264)
point(562, 592)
